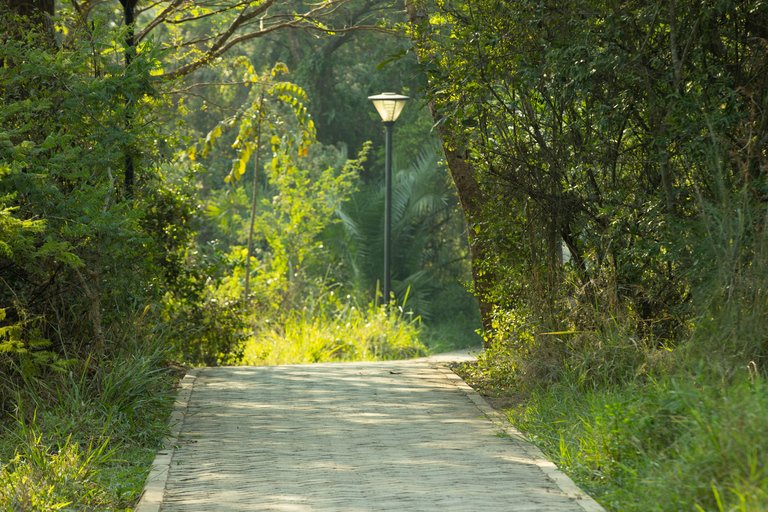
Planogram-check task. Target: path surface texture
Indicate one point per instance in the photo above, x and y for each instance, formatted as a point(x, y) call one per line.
point(389, 436)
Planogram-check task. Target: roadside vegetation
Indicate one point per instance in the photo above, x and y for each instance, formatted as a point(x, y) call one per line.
point(152, 220)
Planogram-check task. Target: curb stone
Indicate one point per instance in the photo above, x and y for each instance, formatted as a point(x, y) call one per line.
point(546, 466)
point(154, 488)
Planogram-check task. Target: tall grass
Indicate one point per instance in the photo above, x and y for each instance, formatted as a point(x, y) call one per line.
point(346, 334)
point(43, 477)
point(731, 287)
point(673, 443)
point(83, 439)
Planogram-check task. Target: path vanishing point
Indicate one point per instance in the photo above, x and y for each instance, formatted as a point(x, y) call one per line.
point(382, 436)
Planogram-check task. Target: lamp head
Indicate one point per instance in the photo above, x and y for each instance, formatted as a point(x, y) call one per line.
point(389, 105)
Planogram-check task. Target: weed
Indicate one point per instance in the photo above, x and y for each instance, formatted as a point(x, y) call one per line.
point(672, 443)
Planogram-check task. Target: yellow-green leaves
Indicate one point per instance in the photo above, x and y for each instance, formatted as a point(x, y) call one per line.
point(291, 134)
point(243, 61)
point(279, 68)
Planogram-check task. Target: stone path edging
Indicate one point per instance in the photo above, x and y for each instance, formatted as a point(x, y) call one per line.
point(547, 467)
point(154, 488)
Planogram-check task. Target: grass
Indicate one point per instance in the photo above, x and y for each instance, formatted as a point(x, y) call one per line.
point(84, 439)
point(350, 334)
point(688, 438)
point(673, 443)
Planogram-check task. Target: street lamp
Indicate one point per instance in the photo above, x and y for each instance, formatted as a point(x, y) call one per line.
point(389, 106)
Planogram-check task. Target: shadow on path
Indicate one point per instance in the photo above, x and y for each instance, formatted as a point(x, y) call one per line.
point(392, 436)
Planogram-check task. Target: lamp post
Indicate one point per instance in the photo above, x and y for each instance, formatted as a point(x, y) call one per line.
point(389, 106)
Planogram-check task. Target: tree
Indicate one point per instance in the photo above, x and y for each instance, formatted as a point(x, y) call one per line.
point(77, 252)
point(592, 127)
point(423, 234)
point(34, 10)
point(199, 33)
point(302, 204)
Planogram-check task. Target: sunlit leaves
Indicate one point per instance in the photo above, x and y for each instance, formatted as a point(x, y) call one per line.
point(265, 110)
point(63, 217)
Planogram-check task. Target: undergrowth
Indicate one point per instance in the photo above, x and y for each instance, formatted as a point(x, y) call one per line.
point(643, 421)
point(347, 334)
point(676, 442)
point(666, 436)
point(84, 438)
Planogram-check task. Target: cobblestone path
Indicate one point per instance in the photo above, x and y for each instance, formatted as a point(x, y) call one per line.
point(392, 436)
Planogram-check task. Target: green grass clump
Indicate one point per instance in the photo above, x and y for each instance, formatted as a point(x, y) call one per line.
point(42, 477)
point(349, 334)
point(84, 438)
point(683, 441)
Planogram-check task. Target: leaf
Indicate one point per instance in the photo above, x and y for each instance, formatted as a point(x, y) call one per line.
point(279, 68)
point(49, 142)
point(69, 259)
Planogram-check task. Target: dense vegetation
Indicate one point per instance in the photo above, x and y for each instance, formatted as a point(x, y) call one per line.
point(200, 187)
point(611, 160)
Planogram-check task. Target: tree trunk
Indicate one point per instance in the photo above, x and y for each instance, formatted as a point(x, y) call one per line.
point(129, 19)
point(255, 199)
point(470, 195)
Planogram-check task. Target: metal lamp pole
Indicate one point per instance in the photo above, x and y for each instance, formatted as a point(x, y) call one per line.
point(389, 105)
point(387, 207)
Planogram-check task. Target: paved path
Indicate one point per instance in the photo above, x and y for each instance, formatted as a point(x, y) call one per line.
point(390, 436)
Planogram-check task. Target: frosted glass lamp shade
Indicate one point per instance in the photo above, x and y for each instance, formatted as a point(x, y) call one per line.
point(389, 105)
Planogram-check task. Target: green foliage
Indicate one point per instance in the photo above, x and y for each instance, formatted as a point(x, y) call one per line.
point(613, 142)
point(421, 221)
point(84, 438)
point(75, 250)
point(338, 73)
point(730, 283)
point(209, 330)
point(303, 198)
point(38, 480)
point(79, 261)
point(303, 204)
point(678, 427)
point(265, 110)
point(641, 428)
